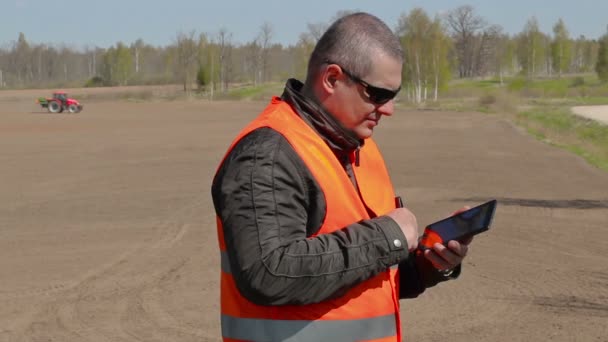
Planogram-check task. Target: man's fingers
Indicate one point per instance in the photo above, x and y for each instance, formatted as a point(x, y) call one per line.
point(465, 208)
point(436, 260)
point(444, 258)
point(449, 255)
point(460, 249)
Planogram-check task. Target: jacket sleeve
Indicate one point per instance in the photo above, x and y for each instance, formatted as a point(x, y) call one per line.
point(270, 208)
point(416, 274)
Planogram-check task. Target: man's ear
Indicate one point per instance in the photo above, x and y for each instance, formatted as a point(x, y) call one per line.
point(330, 77)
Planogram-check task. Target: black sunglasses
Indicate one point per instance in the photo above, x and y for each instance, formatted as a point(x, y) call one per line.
point(375, 94)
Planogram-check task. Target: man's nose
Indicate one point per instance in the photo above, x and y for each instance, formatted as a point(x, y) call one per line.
point(386, 108)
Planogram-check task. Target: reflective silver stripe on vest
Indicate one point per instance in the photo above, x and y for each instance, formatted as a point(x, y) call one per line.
point(252, 329)
point(224, 262)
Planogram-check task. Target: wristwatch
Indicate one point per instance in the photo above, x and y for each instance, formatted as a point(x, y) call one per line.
point(447, 273)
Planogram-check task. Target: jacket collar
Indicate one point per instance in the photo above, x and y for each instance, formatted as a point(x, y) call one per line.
point(340, 140)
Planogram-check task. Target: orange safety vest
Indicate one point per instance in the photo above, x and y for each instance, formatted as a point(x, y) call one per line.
point(367, 312)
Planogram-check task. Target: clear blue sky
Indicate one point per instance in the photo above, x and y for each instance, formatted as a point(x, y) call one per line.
point(79, 23)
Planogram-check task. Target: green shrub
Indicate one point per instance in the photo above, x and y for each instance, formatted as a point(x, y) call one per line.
point(95, 81)
point(518, 84)
point(202, 79)
point(577, 81)
point(487, 100)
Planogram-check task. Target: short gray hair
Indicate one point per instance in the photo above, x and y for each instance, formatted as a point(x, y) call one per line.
point(351, 42)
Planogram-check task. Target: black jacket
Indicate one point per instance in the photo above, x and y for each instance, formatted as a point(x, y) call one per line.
point(270, 205)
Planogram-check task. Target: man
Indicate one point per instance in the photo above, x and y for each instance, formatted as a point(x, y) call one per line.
point(313, 247)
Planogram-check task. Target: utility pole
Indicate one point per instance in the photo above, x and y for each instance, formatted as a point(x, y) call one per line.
point(1, 80)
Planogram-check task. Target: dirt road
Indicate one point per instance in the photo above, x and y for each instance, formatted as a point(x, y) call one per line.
point(599, 113)
point(107, 230)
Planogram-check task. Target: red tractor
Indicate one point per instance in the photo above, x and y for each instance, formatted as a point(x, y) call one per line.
point(60, 102)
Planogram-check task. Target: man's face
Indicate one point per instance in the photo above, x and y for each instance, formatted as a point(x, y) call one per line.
point(354, 107)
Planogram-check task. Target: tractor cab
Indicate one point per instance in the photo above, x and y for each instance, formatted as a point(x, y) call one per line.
point(61, 96)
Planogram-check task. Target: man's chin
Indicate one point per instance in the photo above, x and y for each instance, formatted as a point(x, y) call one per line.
point(364, 133)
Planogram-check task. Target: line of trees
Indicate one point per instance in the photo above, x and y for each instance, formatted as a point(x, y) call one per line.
point(206, 60)
point(601, 66)
point(462, 44)
point(458, 44)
